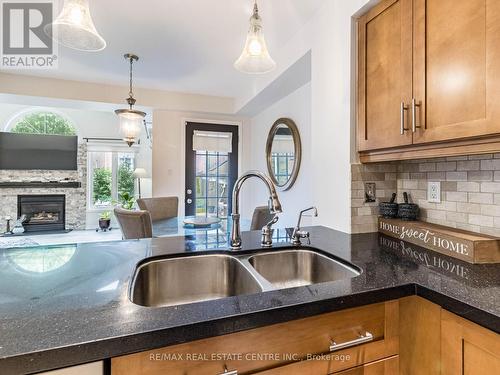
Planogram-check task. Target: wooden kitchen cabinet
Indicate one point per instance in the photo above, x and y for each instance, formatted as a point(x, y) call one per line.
point(286, 344)
point(451, 91)
point(385, 65)
point(411, 336)
point(467, 348)
point(456, 69)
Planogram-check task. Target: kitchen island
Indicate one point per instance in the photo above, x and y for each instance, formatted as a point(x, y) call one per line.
point(69, 305)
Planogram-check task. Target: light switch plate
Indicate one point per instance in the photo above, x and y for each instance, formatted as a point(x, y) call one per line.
point(434, 192)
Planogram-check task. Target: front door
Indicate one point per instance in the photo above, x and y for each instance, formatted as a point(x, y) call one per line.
point(211, 169)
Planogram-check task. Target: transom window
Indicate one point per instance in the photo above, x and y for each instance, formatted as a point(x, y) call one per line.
point(42, 122)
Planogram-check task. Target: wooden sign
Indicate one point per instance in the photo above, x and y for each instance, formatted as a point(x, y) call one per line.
point(468, 246)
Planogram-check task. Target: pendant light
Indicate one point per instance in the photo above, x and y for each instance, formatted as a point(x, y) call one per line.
point(131, 120)
point(255, 57)
point(75, 29)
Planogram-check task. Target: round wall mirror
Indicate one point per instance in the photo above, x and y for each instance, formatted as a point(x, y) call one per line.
point(283, 153)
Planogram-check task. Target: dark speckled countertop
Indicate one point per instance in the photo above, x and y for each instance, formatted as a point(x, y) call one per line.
point(67, 305)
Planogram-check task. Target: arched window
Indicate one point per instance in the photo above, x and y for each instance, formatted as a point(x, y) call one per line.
point(41, 122)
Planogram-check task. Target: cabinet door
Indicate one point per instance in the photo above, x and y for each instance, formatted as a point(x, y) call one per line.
point(467, 348)
point(456, 69)
point(385, 75)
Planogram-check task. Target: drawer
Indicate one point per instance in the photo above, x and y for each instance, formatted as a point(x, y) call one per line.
point(309, 367)
point(275, 345)
point(388, 366)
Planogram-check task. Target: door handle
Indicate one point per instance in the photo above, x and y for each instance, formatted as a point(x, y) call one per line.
point(414, 106)
point(189, 201)
point(403, 109)
point(363, 338)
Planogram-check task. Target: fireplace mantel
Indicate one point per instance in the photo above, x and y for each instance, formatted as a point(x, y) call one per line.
point(39, 184)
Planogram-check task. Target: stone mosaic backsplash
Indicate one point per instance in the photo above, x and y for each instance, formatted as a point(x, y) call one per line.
point(76, 198)
point(470, 191)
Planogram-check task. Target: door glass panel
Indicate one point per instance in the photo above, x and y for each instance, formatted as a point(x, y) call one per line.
point(223, 165)
point(223, 187)
point(201, 209)
point(201, 164)
point(212, 184)
point(212, 206)
point(201, 187)
point(213, 169)
point(212, 187)
point(223, 209)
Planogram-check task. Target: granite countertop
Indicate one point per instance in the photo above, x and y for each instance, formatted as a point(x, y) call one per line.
point(66, 305)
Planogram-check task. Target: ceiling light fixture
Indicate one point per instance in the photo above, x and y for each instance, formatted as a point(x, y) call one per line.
point(75, 29)
point(131, 120)
point(255, 57)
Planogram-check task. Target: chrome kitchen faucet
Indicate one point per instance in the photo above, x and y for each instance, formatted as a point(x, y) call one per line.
point(275, 208)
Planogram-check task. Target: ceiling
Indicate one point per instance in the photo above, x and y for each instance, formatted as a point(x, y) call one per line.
point(183, 45)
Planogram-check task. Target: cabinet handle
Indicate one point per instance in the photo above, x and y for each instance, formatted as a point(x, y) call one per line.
point(366, 337)
point(414, 106)
point(403, 109)
point(226, 372)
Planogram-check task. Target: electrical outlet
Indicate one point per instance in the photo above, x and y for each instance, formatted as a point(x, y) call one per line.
point(434, 192)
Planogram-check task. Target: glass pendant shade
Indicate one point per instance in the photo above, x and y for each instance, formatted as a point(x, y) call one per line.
point(255, 58)
point(74, 27)
point(131, 122)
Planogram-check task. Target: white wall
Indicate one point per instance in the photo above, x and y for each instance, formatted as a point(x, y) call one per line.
point(332, 68)
point(296, 106)
point(169, 149)
point(330, 36)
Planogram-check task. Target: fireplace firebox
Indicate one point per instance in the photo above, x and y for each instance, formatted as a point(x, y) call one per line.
point(43, 212)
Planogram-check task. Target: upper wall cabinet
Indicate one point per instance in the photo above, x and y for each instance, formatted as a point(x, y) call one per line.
point(385, 66)
point(428, 75)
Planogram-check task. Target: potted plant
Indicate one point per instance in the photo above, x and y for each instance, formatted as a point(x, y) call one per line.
point(105, 220)
point(127, 200)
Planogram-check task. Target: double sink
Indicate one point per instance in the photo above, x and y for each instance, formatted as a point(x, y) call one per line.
point(177, 281)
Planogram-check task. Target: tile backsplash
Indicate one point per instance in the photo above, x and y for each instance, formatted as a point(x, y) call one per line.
point(470, 191)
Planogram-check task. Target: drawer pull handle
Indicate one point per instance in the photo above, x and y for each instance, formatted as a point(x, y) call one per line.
point(227, 372)
point(367, 337)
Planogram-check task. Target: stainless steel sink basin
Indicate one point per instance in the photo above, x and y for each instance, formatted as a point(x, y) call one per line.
point(177, 281)
point(292, 268)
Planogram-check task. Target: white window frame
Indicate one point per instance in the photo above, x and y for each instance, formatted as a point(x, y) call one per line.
point(115, 149)
point(18, 116)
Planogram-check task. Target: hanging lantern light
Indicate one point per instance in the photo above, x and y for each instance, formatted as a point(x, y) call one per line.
point(75, 29)
point(255, 58)
point(131, 120)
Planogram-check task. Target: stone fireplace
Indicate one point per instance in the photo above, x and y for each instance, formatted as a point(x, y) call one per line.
point(72, 185)
point(45, 212)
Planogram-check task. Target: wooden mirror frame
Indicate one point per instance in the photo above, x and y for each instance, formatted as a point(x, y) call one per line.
point(297, 149)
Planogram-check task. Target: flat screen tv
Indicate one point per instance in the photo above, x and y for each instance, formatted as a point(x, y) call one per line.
point(28, 151)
